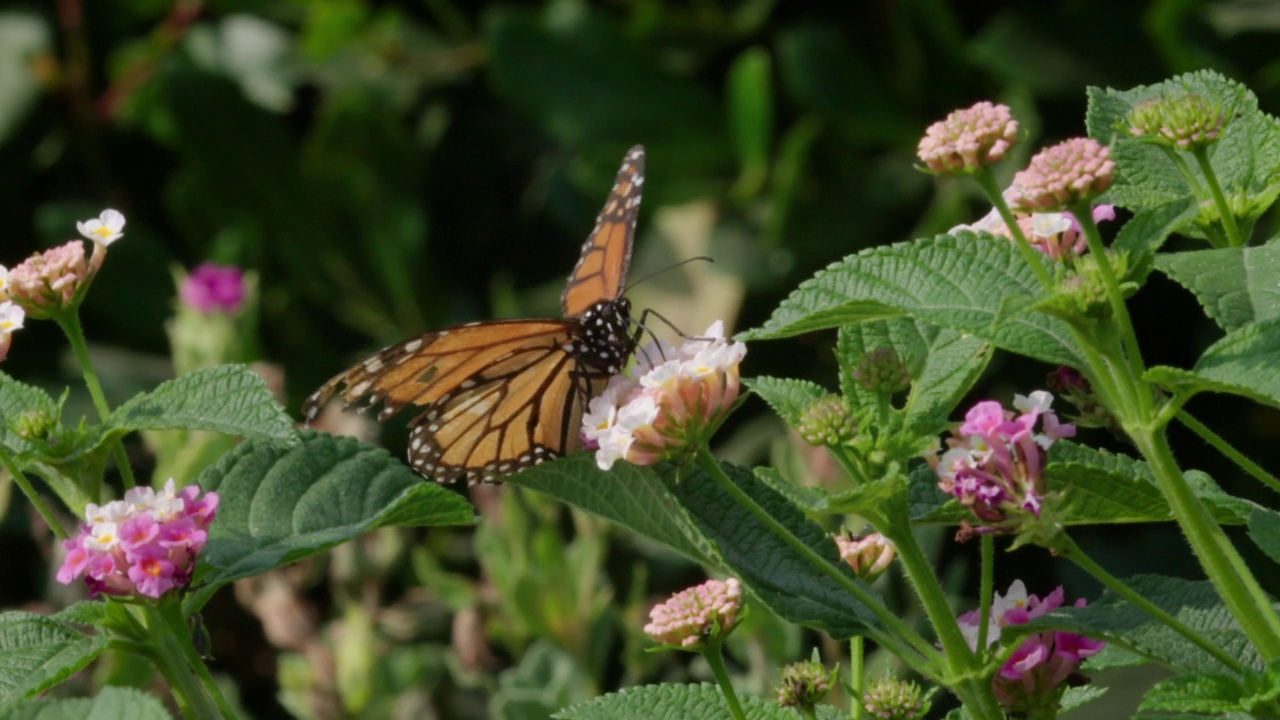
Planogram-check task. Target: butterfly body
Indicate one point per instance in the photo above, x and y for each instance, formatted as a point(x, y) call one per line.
point(497, 397)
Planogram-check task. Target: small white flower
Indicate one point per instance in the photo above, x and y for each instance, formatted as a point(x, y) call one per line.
point(104, 538)
point(602, 411)
point(11, 317)
point(1047, 225)
point(4, 282)
point(104, 229)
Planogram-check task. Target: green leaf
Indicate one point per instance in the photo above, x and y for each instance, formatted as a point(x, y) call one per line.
point(1195, 603)
point(790, 399)
point(1242, 363)
point(1077, 696)
point(679, 702)
point(1236, 286)
point(38, 652)
point(1264, 530)
point(965, 282)
point(631, 496)
point(110, 703)
point(1147, 231)
point(17, 398)
point(1087, 486)
point(1205, 692)
point(1246, 158)
point(280, 504)
point(944, 363)
point(751, 102)
point(778, 574)
point(229, 399)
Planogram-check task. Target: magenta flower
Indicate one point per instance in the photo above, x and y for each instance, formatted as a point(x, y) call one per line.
point(145, 544)
point(969, 139)
point(1035, 675)
point(994, 463)
point(681, 396)
point(700, 612)
point(1068, 173)
point(214, 288)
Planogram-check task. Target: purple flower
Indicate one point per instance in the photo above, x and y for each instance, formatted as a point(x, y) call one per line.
point(214, 288)
point(145, 544)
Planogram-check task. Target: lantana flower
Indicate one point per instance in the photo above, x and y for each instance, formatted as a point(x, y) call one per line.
point(1073, 171)
point(699, 613)
point(679, 397)
point(104, 229)
point(969, 139)
point(214, 288)
point(145, 544)
point(869, 555)
point(1035, 675)
point(11, 318)
point(46, 282)
point(1055, 234)
point(996, 458)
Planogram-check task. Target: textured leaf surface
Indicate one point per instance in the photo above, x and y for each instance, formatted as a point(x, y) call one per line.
point(967, 283)
point(17, 398)
point(111, 703)
point(1236, 286)
point(1243, 363)
point(1264, 529)
point(790, 399)
point(230, 399)
point(280, 504)
point(680, 702)
point(38, 652)
point(1194, 603)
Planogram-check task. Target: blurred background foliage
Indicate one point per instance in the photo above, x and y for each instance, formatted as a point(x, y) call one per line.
point(392, 167)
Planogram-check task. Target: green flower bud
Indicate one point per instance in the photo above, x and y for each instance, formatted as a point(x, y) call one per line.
point(892, 699)
point(1184, 122)
point(804, 685)
point(827, 422)
point(882, 371)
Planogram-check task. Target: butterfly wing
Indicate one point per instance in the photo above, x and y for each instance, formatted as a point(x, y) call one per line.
point(497, 397)
point(601, 272)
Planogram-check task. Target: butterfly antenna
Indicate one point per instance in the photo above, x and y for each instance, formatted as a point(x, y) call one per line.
point(669, 268)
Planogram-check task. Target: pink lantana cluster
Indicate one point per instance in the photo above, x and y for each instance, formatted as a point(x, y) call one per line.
point(995, 461)
point(969, 139)
point(1070, 172)
point(214, 288)
point(692, 615)
point(682, 395)
point(1055, 234)
point(145, 544)
point(1035, 676)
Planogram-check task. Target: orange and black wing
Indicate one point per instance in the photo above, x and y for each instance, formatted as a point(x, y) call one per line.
point(601, 272)
point(496, 397)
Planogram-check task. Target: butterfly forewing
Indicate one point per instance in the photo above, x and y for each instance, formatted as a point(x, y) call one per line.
point(501, 396)
point(601, 271)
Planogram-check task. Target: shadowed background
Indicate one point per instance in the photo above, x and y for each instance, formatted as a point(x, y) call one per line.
point(387, 168)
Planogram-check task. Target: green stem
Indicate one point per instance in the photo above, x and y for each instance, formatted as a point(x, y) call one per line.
point(856, 675)
point(848, 463)
point(1227, 571)
point(1224, 211)
point(920, 572)
point(924, 658)
point(1231, 453)
point(987, 180)
point(987, 590)
point(33, 497)
point(176, 659)
point(1071, 551)
point(70, 323)
point(712, 653)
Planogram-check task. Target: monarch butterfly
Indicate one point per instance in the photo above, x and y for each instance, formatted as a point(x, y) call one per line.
point(500, 396)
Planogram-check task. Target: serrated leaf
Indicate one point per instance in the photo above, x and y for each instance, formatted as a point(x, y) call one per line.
point(963, 282)
point(17, 398)
point(280, 504)
point(1264, 530)
point(1242, 363)
point(110, 703)
point(1246, 158)
point(229, 399)
point(632, 496)
point(1194, 603)
point(1204, 692)
point(1087, 486)
point(778, 574)
point(1147, 231)
point(789, 398)
point(1236, 286)
point(1077, 696)
point(680, 702)
point(37, 652)
point(944, 363)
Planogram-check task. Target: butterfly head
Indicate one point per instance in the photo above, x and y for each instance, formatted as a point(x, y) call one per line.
point(605, 342)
